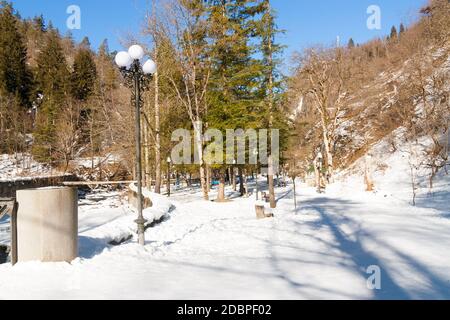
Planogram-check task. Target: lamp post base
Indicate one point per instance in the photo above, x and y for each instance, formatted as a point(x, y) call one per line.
point(141, 230)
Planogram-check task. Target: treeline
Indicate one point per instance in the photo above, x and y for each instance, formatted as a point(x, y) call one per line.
point(218, 67)
point(348, 98)
point(56, 96)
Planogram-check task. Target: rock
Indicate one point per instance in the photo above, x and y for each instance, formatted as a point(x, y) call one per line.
point(132, 200)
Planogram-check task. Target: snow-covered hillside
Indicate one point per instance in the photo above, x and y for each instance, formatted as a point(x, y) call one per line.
point(220, 251)
point(21, 166)
point(393, 171)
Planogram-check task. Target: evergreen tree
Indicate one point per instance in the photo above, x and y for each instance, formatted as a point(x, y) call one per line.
point(107, 72)
point(402, 29)
point(393, 36)
point(84, 74)
point(39, 23)
point(351, 44)
point(85, 43)
point(235, 70)
point(103, 50)
point(233, 90)
point(52, 79)
point(15, 78)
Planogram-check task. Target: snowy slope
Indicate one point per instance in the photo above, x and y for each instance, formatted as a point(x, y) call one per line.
point(22, 166)
point(392, 175)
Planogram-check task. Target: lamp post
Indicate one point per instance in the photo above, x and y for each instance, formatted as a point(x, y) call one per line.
point(138, 78)
point(169, 162)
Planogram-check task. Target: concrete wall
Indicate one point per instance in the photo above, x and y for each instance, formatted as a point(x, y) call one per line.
point(8, 188)
point(47, 224)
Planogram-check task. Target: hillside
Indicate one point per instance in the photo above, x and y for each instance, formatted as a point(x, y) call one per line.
point(391, 92)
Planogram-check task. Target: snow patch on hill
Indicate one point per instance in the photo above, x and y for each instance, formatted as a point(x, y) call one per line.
point(394, 162)
point(22, 166)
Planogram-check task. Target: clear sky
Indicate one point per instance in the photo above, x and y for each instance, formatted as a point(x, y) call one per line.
point(306, 22)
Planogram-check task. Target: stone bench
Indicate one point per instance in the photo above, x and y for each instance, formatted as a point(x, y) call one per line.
point(261, 211)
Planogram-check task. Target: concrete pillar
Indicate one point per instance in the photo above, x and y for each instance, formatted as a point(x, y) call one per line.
point(47, 224)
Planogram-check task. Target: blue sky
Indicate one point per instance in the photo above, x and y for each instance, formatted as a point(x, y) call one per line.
point(307, 22)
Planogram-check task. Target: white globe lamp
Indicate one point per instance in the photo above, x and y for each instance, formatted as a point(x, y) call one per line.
point(136, 52)
point(123, 59)
point(149, 67)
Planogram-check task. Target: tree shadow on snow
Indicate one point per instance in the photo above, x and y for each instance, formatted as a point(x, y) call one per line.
point(359, 259)
point(436, 200)
point(91, 247)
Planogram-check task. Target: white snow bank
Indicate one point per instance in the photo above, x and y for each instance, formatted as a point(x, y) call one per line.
point(161, 204)
point(117, 223)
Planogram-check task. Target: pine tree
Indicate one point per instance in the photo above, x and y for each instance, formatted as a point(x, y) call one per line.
point(402, 29)
point(393, 36)
point(52, 72)
point(85, 43)
point(103, 49)
point(39, 23)
point(107, 71)
point(15, 78)
point(351, 44)
point(233, 92)
point(235, 68)
point(84, 74)
point(52, 78)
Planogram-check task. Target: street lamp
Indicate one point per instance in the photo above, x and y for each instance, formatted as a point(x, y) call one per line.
point(138, 78)
point(169, 162)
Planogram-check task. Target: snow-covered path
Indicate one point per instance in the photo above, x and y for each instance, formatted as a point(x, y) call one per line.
point(212, 250)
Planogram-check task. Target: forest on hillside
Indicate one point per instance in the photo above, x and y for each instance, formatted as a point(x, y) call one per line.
point(219, 65)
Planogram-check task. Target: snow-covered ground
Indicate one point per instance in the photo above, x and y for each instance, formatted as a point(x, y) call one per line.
point(220, 251)
point(206, 250)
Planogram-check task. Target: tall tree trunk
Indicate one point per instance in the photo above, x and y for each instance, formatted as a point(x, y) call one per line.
point(327, 144)
point(221, 193)
point(271, 106)
point(91, 140)
point(241, 181)
point(273, 203)
point(208, 177)
point(233, 178)
point(157, 138)
point(199, 147)
point(246, 182)
point(295, 193)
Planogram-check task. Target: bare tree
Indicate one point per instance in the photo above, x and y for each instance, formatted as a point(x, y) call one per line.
point(68, 134)
point(325, 76)
point(194, 66)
